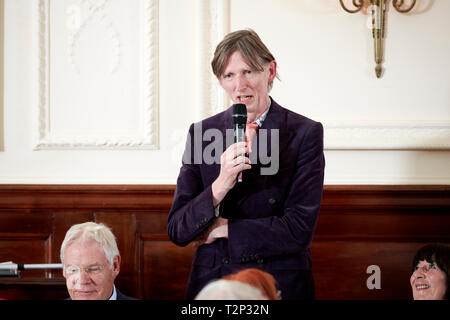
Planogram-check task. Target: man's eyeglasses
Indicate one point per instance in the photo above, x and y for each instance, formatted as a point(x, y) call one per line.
point(93, 270)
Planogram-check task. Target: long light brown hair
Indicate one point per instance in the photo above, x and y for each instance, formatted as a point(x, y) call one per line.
point(249, 44)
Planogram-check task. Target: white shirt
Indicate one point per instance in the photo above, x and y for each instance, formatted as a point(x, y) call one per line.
point(114, 295)
point(261, 119)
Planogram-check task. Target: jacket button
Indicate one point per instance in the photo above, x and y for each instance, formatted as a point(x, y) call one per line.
point(272, 200)
point(225, 261)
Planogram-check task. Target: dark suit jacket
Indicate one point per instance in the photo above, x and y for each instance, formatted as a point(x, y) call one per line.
point(272, 218)
point(121, 296)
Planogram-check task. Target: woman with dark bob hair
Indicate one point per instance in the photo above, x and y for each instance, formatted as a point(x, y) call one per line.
point(429, 279)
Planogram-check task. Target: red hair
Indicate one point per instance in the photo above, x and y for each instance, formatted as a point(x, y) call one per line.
point(262, 280)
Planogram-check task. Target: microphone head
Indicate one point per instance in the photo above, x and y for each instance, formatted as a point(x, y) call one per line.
point(239, 113)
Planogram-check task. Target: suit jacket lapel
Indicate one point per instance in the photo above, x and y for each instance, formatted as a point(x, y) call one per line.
point(276, 119)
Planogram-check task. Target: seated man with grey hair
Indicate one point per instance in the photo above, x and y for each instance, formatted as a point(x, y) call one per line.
point(91, 262)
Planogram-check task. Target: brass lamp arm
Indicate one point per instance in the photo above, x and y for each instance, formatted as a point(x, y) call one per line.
point(378, 8)
point(359, 4)
point(399, 3)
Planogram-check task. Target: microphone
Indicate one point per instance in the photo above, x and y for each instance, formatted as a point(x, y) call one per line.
point(239, 122)
point(11, 269)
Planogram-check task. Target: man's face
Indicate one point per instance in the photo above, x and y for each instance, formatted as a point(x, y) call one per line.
point(247, 86)
point(88, 273)
point(428, 282)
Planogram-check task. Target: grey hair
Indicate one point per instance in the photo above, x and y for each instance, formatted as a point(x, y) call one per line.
point(229, 290)
point(95, 231)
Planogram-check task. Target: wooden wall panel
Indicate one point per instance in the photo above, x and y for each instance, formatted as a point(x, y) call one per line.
point(337, 225)
point(358, 226)
point(25, 247)
point(40, 222)
point(32, 289)
point(166, 268)
point(123, 225)
point(62, 223)
point(340, 269)
point(26, 236)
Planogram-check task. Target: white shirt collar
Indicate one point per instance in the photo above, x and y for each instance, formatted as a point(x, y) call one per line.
point(114, 295)
point(261, 119)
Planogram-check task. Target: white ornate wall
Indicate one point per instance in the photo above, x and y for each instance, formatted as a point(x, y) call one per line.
point(96, 74)
point(103, 91)
point(1, 75)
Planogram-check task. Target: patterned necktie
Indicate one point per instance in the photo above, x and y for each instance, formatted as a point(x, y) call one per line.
point(250, 132)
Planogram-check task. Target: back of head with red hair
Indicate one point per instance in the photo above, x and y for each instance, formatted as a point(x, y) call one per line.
point(262, 280)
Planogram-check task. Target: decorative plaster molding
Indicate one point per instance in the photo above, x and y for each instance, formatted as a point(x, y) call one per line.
point(96, 13)
point(394, 135)
point(213, 24)
point(150, 87)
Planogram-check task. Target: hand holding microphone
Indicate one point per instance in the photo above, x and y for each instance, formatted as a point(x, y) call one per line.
point(233, 161)
point(239, 124)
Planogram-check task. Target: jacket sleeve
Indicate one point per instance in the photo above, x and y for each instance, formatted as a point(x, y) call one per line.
point(192, 209)
point(292, 230)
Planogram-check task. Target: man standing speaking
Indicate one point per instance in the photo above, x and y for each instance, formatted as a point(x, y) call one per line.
point(267, 219)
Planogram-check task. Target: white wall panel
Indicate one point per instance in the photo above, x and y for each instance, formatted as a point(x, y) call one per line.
point(97, 73)
point(212, 25)
point(2, 19)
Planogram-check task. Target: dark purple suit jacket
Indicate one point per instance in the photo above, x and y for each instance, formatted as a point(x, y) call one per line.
point(272, 218)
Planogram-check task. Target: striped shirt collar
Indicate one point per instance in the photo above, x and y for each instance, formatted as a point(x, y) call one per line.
point(261, 119)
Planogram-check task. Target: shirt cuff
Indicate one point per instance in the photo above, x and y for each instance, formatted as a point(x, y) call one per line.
point(217, 210)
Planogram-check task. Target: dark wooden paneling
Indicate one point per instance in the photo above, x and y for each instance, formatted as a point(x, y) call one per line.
point(26, 236)
point(89, 197)
point(24, 247)
point(39, 222)
point(340, 269)
point(358, 226)
point(382, 226)
point(166, 267)
point(61, 223)
point(32, 289)
point(123, 225)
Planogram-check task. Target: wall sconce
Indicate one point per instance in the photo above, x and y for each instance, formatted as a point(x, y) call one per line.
point(378, 19)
